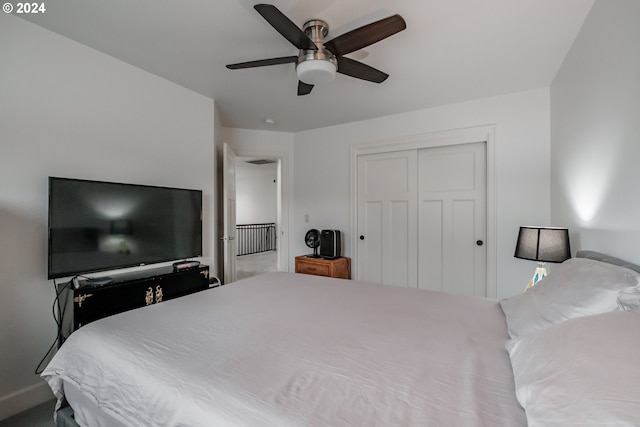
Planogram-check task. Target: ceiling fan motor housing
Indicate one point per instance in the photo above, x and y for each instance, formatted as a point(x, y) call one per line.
point(316, 66)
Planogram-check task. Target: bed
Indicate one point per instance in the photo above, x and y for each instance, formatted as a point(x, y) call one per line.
point(285, 349)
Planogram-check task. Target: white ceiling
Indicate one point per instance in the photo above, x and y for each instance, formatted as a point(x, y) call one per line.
point(451, 51)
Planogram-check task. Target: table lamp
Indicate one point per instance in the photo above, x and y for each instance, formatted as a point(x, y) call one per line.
point(542, 244)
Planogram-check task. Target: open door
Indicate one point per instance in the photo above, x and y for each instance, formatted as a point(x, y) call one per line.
point(230, 248)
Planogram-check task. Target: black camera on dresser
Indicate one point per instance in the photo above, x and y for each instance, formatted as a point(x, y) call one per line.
point(98, 298)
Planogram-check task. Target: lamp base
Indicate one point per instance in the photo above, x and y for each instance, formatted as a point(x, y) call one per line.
point(539, 274)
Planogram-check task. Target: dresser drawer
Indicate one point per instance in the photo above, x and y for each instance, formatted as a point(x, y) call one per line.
point(338, 267)
point(317, 269)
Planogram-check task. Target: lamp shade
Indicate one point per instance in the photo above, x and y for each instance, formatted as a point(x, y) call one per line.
point(543, 244)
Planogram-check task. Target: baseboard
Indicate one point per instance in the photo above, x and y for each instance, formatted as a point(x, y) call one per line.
point(21, 400)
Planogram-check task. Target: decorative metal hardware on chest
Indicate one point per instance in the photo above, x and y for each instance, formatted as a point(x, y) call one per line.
point(80, 298)
point(148, 299)
point(149, 296)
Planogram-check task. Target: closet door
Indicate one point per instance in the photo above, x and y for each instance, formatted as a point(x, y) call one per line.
point(422, 218)
point(452, 219)
point(387, 218)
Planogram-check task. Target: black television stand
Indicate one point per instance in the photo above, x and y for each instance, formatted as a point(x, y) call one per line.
point(122, 292)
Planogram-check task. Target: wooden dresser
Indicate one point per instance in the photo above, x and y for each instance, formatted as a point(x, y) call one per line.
point(339, 268)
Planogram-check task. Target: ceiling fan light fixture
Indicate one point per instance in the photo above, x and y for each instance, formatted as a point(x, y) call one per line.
point(319, 61)
point(316, 71)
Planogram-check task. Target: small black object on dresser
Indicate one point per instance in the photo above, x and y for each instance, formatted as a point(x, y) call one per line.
point(330, 244)
point(128, 291)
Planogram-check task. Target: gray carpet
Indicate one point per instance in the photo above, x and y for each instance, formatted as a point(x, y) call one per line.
point(254, 264)
point(38, 416)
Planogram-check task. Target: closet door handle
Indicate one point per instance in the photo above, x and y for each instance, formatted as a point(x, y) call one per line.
point(361, 237)
point(479, 242)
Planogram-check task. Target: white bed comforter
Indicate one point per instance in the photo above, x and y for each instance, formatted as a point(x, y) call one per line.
point(287, 349)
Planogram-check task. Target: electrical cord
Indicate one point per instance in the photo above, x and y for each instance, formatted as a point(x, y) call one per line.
point(58, 318)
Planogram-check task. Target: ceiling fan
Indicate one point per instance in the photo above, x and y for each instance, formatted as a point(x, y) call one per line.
point(318, 61)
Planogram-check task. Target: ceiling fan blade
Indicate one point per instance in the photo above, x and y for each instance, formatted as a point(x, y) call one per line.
point(284, 26)
point(366, 35)
point(304, 88)
point(263, 62)
point(359, 70)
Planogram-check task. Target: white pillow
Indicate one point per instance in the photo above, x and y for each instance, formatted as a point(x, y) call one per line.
point(577, 287)
point(583, 372)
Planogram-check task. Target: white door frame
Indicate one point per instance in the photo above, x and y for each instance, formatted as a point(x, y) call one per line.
point(428, 140)
point(229, 245)
point(284, 186)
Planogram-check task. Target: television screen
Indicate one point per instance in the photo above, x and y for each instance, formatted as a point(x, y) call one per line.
point(97, 226)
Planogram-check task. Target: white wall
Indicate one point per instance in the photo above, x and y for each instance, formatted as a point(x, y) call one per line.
point(67, 110)
point(322, 170)
point(595, 128)
point(256, 193)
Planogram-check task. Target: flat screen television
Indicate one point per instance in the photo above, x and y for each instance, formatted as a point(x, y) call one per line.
point(98, 226)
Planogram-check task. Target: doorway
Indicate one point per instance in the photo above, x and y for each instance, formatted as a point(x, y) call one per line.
point(256, 215)
point(228, 222)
